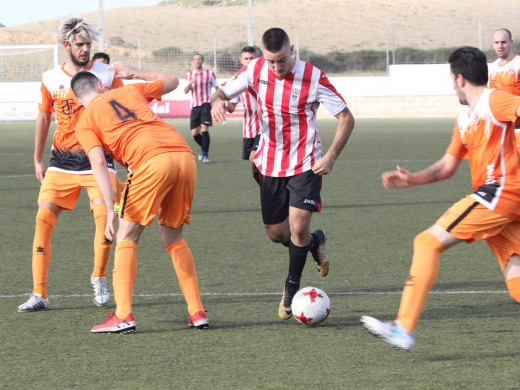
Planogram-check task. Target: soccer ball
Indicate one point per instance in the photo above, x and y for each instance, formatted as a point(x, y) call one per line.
point(310, 306)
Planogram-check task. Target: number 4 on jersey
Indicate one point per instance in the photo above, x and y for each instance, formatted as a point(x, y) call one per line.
point(121, 111)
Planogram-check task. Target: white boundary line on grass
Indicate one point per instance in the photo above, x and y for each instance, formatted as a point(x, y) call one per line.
point(264, 294)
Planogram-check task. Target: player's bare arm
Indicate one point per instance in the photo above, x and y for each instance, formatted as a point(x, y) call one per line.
point(218, 106)
point(187, 87)
point(441, 170)
point(125, 71)
point(100, 172)
point(346, 124)
point(41, 130)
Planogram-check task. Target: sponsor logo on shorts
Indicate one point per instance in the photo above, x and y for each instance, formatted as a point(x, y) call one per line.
point(310, 201)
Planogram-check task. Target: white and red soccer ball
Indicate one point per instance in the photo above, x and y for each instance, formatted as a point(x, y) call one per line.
point(310, 306)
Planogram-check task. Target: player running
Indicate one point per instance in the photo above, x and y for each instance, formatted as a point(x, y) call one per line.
point(289, 158)
point(483, 134)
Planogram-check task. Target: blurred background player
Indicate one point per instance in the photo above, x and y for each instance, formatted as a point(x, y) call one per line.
point(69, 169)
point(101, 57)
point(200, 82)
point(252, 117)
point(289, 92)
point(162, 171)
point(484, 134)
point(504, 72)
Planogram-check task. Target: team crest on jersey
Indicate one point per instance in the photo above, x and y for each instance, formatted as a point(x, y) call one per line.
point(511, 71)
point(295, 93)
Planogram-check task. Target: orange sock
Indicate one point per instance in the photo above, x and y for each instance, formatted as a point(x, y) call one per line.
point(41, 258)
point(102, 246)
point(513, 285)
point(123, 277)
point(186, 274)
point(423, 272)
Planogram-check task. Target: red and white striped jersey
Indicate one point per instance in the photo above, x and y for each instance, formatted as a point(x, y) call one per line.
point(252, 115)
point(290, 142)
point(201, 90)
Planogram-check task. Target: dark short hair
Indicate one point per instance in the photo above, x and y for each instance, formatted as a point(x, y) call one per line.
point(471, 63)
point(248, 49)
point(83, 82)
point(198, 54)
point(100, 54)
point(274, 39)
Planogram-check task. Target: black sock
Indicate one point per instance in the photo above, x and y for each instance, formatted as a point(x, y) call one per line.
point(205, 142)
point(297, 258)
point(314, 244)
point(198, 139)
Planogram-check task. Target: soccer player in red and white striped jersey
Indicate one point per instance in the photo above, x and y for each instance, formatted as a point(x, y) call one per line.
point(200, 82)
point(252, 117)
point(289, 157)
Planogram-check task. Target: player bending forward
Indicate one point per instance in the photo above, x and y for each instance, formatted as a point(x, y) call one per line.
point(161, 180)
point(484, 133)
point(289, 158)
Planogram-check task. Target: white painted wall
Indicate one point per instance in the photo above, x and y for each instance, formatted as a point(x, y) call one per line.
point(19, 101)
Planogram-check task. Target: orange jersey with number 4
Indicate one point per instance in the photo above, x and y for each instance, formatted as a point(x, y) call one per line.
point(121, 122)
point(486, 137)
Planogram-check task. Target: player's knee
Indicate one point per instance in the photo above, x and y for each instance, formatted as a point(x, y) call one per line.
point(426, 240)
point(513, 285)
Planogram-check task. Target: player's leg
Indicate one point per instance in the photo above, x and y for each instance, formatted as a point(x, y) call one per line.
point(206, 122)
point(512, 277)
point(195, 126)
point(427, 248)
point(123, 278)
point(58, 192)
point(249, 146)
point(466, 220)
point(506, 248)
point(174, 212)
point(102, 246)
point(41, 257)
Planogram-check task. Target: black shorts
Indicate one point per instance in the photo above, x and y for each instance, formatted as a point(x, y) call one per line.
point(278, 193)
point(200, 115)
point(248, 145)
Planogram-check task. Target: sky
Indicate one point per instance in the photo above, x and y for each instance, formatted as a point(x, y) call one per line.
point(15, 12)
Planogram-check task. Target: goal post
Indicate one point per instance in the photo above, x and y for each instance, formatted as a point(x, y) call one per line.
point(26, 62)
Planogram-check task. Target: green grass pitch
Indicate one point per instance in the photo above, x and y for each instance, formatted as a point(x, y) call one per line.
point(467, 338)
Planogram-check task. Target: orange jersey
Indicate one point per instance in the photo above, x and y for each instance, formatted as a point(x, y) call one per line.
point(57, 97)
point(506, 76)
point(122, 123)
point(486, 137)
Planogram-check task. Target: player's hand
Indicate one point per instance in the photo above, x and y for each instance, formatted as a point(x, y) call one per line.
point(124, 70)
point(218, 111)
point(109, 228)
point(40, 171)
point(323, 166)
point(400, 178)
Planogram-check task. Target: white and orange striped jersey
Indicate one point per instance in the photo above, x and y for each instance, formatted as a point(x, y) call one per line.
point(485, 137)
point(290, 142)
point(201, 90)
point(252, 115)
point(57, 96)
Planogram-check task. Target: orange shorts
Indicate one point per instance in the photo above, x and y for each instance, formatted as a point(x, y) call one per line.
point(470, 221)
point(63, 189)
point(162, 185)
